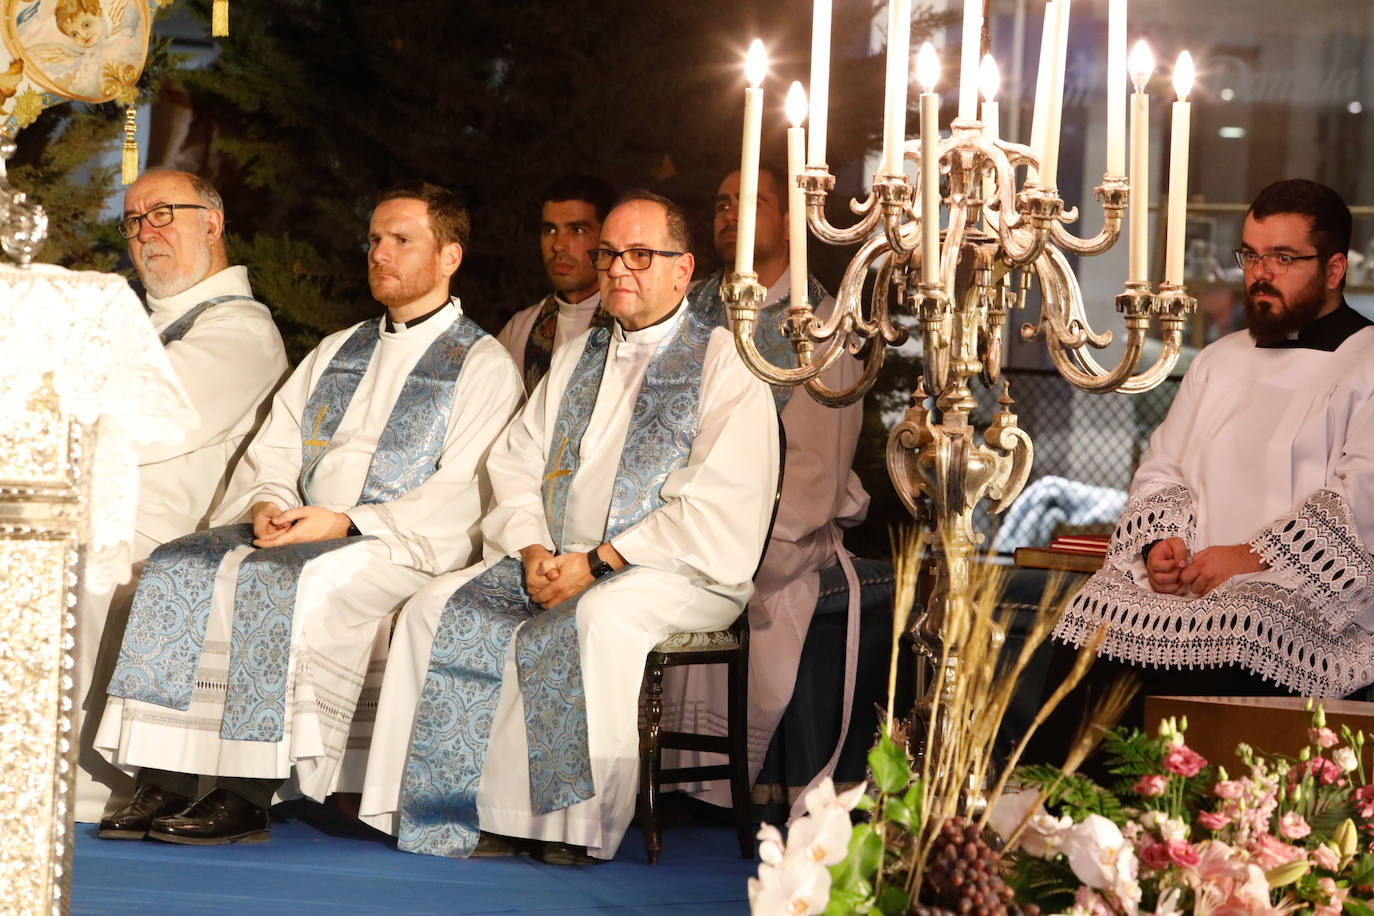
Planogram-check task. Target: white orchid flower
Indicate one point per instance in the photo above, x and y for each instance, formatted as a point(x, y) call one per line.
point(1044, 832)
point(794, 887)
point(1093, 848)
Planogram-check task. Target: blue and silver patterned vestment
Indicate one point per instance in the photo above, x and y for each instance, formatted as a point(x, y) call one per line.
point(463, 685)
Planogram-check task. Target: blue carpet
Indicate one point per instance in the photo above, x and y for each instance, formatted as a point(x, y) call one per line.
point(321, 864)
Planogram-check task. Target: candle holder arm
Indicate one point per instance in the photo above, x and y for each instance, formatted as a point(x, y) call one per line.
point(817, 182)
point(1171, 306)
point(873, 361)
point(1114, 192)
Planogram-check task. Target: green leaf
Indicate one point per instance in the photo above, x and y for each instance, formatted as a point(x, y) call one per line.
point(1362, 871)
point(895, 810)
point(894, 900)
point(844, 901)
point(866, 803)
point(890, 769)
point(1355, 907)
point(865, 850)
point(915, 800)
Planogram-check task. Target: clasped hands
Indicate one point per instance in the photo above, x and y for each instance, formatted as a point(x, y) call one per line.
point(552, 579)
point(1171, 572)
point(275, 527)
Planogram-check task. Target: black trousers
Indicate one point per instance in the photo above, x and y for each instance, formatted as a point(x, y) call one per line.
point(256, 792)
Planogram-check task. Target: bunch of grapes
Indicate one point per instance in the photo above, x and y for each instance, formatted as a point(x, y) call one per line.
point(963, 877)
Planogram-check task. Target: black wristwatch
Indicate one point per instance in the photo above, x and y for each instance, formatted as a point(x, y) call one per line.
point(598, 566)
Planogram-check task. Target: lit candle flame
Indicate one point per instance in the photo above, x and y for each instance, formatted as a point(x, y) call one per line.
point(988, 78)
point(1183, 76)
point(796, 104)
point(755, 63)
point(1141, 65)
point(927, 67)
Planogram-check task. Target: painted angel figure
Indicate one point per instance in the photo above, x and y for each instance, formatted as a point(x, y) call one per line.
point(83, 36)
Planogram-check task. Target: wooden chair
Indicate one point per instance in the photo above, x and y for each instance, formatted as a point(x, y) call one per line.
point(731, 648)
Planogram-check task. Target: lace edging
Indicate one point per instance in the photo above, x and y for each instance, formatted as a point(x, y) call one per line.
point(1157, 513)
point(1270, 629)
point(1318, 548)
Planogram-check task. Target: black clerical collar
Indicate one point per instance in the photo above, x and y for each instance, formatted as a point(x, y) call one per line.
point(1327, 332)
point(392, 327)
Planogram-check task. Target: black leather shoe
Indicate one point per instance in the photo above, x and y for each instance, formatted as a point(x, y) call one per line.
point(133, 820)
point(564, 854)
point(217, 817)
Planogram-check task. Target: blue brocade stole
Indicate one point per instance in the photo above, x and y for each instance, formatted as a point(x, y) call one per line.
point(463, 685)
point(705, 300)
point(171, 606)
point(177, 329)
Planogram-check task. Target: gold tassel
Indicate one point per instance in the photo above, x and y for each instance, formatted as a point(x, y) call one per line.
point(130, 144)
point(219, 19)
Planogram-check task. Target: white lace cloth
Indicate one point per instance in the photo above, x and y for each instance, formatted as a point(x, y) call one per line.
point(1294, 624)
point(110, 373)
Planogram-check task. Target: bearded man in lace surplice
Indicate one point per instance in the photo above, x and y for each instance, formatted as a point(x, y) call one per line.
point(1244, 547)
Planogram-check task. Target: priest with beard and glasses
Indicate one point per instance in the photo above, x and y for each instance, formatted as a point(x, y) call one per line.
point(633, 495)
point(1243, 555)
point(247, 644)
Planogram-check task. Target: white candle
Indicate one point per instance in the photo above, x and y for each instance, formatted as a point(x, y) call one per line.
point(1178, 172)
point(928, 72)
point(968, 59)
point(820, 82)
point(1049, 165)
point(755, 64)
point(988, 78)
point(898, 65)
point(1141, 65)
point(1043, 85)
point(796, 198)
point(1116, 87)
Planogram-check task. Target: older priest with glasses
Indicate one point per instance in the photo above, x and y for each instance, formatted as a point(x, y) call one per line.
point(633, 495)
point(229, 358)
point(1243, 554)
point(246, 644)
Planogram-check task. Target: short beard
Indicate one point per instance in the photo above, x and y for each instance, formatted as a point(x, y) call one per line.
point(179, 282)
point(1269, 327)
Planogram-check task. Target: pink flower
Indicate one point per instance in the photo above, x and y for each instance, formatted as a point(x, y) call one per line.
point(1292, 826)
point(1181, 852)
point(1270, 851)
point(1364, 801)
point(1155, 856)
point(1335, 898)
point(1089, 901)
point(1323, 737)
point(1326, 857)
point(1184, 761)
point(1151, 785)
point(1325, 771)
point(1228, 789)
point(1214, 820)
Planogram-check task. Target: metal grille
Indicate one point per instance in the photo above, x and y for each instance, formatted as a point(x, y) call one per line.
point(1087, 447)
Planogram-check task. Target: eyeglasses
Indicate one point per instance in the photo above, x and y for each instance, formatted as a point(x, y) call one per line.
point(156, 217)
point(634, 258)
point(1276, 264)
